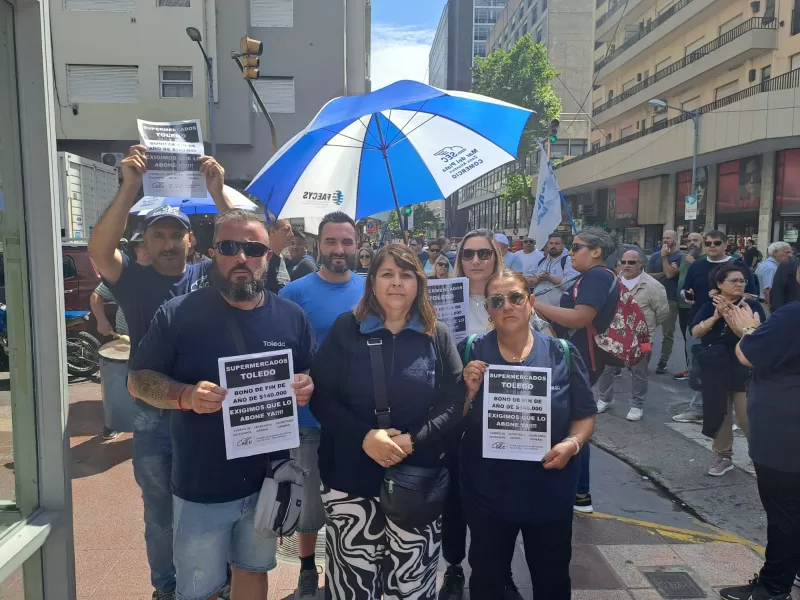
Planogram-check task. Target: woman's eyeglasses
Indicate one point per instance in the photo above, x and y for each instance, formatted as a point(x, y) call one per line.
point(736, 281)
point(576, 246)
point(364, 256)
point(497, 301)
point(444, 265)
point(483, 253)
point(714, 243)
point(232, 248)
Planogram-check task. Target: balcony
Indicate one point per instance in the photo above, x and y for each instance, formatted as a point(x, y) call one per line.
point(753, 37)
point(607, 24)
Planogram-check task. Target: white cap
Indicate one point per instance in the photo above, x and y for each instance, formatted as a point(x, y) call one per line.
point(501, 238)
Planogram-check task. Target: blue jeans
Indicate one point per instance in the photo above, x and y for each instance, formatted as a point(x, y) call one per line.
point(152, 468)
point(583, 475)
point(696, 404)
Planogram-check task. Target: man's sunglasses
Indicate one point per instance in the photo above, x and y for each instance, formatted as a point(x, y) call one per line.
point(629, 262)
point(232, 248)
point(434, 249)
point(497, 301)
point(483, 253)
point(714, 243)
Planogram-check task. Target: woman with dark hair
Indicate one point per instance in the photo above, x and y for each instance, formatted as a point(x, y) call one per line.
point(587, 308)
point(723, 379)
point(365, 256)
point(368, 554)
point(503, 498)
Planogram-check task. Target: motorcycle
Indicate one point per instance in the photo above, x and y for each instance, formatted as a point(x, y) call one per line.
point(83, 356)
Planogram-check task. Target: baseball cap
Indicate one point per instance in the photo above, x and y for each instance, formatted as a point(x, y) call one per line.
point(501, 238)
point(167, 212)
point(137, 237)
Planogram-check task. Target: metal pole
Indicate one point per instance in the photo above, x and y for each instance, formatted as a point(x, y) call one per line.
point(235, 57)
point(211, 107)
point(693, 192)
point(391, 179)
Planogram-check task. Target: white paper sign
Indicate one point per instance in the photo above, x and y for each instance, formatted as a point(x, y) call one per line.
point(450, 298)
point(260, 410)
point(173, 165)
point(516, 412)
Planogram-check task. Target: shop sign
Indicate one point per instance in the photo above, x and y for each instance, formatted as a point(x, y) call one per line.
point(691, 208)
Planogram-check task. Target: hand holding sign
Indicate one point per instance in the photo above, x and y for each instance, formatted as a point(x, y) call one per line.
point(214, 174)
point(205, 397)
point(133, 167)
point(303, 387)
point(473, 376)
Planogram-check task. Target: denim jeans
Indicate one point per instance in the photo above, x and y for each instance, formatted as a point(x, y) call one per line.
point(668, 332)
point(152, 468)
point(605, 385)
point(696, 404)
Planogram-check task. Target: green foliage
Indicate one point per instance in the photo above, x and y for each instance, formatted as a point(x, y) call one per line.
point(516, 187)
point(424, 220)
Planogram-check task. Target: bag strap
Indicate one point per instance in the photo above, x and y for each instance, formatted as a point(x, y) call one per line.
point(468, 347)
point(382, 410)
point(564, 262)
point(567, 356)
point(236, 333)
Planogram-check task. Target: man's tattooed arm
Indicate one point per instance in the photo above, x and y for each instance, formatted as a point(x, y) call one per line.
point(157, 389)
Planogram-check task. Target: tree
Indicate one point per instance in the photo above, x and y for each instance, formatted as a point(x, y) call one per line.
point(524, 77)
point(424, 220)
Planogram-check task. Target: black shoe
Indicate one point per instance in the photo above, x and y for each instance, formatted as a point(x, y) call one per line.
point(109, 434)
point(661, 368)
point(512, 593)
point(754, 590)
point(682, 376)
point(164, 595)
point(453, 585)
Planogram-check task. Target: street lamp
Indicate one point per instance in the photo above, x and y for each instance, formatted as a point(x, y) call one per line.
point(194, 35)
point(660, 104)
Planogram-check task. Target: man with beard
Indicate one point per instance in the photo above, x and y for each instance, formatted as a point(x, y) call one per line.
point(553, 272)
point(140, 291)
point(176, 370)
point(333, 290)
point(280, 233)
point(300, 262)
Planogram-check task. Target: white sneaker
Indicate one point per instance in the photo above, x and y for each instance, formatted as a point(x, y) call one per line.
point(635, 414)
point(797, 581)
point(750, 468)
point(603, 406)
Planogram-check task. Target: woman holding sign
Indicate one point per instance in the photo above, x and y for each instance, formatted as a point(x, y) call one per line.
point(388, 388)
point(520, 437)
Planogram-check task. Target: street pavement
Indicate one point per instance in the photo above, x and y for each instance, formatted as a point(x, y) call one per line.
point(656, 512)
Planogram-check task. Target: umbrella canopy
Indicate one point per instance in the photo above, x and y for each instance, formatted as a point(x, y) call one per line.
point(191, 206)
point(401, 145)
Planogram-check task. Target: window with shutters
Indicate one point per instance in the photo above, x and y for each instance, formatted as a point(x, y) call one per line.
point(691, 104)
point(698, 43)
point(102, 84)
point(726, 90)
point(277, 94)
point(176, 82)
point(794, 61)
point(272, 13)
point(731, 24)
point(626, 131)
point(183, 3)
point(100, 5)
point(663, 64)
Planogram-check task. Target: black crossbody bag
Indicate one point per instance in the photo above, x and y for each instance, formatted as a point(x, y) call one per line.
point(410, 496)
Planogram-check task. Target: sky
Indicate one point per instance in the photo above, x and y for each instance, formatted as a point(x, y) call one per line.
point(402, 33)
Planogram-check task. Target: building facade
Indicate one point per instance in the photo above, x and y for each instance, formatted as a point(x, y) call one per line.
point(566, 28)
point(456, 41)
point(313, 52)
point(735, 64)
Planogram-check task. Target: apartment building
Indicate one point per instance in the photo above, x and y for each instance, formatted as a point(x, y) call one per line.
point(116, 61)
point(566, 28)
point(736, 64)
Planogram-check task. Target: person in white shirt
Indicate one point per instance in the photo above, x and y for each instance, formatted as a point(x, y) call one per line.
point(553, 273)
point(510, 259)
point(529, 259)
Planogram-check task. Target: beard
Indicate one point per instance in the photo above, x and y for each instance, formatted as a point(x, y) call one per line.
point(349, 262)
point(237, 291)
point(555, 252)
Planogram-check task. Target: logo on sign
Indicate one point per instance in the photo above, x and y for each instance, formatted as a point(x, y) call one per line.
point(450, 152)
point(322, 198)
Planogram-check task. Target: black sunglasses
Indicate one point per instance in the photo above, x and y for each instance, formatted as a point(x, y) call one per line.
point(629, 262)
point(714, 243)
point(497, 301)
point(576, 246)
point(443, 264)
point(483, 253)
point(232, 248)
point(434, 249)
point(364, 256)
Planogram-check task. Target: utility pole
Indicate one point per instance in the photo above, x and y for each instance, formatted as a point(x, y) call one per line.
point(248, 62)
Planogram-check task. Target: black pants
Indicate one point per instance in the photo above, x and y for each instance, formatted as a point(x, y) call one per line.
point(454, 527)
point(548, 551)
point(683, 321)
point(780, 495)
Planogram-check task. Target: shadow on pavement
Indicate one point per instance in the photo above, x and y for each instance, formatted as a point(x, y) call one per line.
point(94, 455)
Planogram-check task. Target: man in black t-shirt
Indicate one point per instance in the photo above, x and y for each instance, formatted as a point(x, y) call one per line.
point(140, 291)
point(176, 370)
point(300, 263)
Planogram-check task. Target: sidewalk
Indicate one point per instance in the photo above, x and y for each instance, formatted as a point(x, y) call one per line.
point(613, 556)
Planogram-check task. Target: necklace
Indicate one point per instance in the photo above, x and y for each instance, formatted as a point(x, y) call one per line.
point(509, 357)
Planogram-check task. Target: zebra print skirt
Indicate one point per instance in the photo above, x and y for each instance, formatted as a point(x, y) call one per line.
point(368, 556)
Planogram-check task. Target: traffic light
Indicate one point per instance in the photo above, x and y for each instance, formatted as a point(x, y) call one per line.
point(554, 130)
point(250, 49)
point(408, 218)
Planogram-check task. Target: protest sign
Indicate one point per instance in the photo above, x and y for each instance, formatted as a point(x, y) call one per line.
point(173, 159)
point(516, 412)
point(450, 298)
point(259, 412)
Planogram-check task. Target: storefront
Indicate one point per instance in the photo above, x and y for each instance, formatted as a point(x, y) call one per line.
point(787, 196)
point(622, 212)
point(36, 548)
point(738, 200)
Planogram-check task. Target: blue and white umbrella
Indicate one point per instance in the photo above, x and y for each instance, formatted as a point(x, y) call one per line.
point(191, 206)
point(401, 145)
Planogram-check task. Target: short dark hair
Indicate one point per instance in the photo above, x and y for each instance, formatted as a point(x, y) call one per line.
point(438, 242)
point(335, 217)
point(715, 234)
point(555, 234)
point(720, 274)
point(237, 215)
point(300, 235)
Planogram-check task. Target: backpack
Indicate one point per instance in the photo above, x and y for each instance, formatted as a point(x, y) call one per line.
point(563, 262)
point(621, 345)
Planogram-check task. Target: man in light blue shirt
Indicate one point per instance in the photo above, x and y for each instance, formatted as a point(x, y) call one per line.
point(324, 296)
point(510, 259)
point(778, 252)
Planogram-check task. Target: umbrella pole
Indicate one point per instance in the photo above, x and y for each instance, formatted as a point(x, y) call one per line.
point(385, 155)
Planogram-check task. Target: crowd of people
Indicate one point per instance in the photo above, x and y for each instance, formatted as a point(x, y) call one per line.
point(418, 413)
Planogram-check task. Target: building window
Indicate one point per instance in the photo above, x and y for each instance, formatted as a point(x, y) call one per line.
point(482, 32)
point(726, 90)
point(766, 73)
point(183, 3)
point(577, 147)
point(534, 15)
point(100, 5)
point(795, 29)
point(794, 62)
point(272, 13)
point(104, 84)
point(277, 94)
point(539, 36)
point(479, 49)
point(731, 24)
point(595, 146)
point(691, 104)
point(176, 82)
point(482, 15)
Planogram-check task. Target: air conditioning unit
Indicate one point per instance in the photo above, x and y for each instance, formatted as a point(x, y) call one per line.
point(587, 210)
point(638, 77)
point(112, 159)
point(751, 76)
